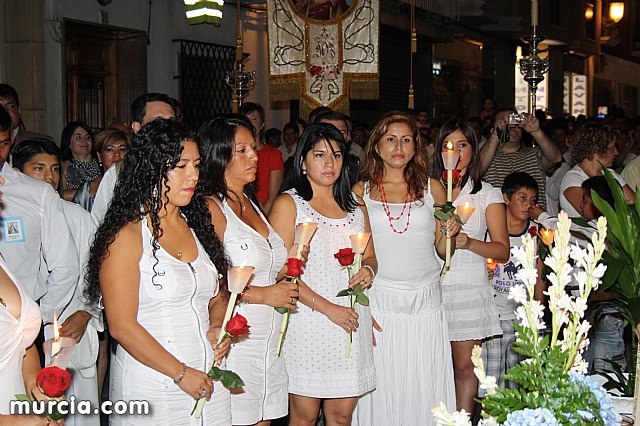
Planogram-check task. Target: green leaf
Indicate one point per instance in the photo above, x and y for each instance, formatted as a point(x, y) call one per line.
point(344, 292)
point(357, 289)
point(362, 299)
point(442, 215)
point(231, 380)
point(215, 373)
point(282, 310)
point(22, 397)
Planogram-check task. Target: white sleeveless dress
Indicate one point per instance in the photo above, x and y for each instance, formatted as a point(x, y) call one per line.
point(314, 349)
point(406, 301)
point(468, 296)
point(173, 308)
point(16, 335)
point(265, 394)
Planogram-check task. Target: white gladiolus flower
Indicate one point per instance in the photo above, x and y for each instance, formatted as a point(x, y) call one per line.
point(444, 418)
point(518, 293)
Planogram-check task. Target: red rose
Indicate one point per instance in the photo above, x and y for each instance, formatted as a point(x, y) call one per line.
point(315, 70)
point(294, 267)
point(455, 175)
point(237, 326)
point(345, 256)
point(533, 231)
point(53, 381)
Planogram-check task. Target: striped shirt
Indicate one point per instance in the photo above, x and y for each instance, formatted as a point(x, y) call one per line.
point(528, 160)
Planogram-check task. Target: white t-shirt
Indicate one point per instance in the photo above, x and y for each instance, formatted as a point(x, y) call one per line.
point(574, 178)
point(504, 277)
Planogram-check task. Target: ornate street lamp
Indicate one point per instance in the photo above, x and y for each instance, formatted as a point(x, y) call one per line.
point(241, 81)
point(533, 68)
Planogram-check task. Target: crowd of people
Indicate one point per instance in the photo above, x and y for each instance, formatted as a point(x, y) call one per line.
point(126, 238)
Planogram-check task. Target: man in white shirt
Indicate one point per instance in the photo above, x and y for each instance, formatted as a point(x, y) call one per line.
point(144, 109)
point(35, 236)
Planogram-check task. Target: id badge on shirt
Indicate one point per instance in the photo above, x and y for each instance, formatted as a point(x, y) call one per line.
point(13, 230)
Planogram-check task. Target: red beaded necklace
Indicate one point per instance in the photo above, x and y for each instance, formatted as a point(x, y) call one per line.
point(385, 206)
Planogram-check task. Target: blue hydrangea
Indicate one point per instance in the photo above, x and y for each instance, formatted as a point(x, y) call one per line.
point(607, 409)
point(529, 417)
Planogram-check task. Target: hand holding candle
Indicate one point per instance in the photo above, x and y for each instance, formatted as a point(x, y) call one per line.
point(59, 349)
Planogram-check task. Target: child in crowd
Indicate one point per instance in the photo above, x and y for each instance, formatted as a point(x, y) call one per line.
point(520, 192)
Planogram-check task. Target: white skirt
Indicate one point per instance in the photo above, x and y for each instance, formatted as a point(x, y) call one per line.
point(412, 358)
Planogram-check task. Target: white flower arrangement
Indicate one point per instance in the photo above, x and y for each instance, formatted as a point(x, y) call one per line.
point(553, 389)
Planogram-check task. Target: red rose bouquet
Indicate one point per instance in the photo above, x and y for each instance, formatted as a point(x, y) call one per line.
point(52, 382)
point(346, 258)
point(236, 326)
point(294, 270)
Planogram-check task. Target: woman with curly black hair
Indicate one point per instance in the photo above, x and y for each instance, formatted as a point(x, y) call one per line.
point(156, 259)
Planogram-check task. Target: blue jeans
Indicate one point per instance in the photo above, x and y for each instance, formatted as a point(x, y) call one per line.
point(606, 341)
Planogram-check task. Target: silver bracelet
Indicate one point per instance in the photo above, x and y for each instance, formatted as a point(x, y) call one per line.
point(184, 371)
point(373, 274)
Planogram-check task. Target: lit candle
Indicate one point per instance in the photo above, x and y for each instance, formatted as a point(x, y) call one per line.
point(358, 245)
point(546, 235)
point(491, 264)
point(237, 278)
point(450, 160)
point(303, 234)
point(55, 345)
point(534, 13)
point(359, 241)
point(465, 211)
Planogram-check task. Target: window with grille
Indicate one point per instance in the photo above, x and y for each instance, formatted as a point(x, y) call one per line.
point(203, 91)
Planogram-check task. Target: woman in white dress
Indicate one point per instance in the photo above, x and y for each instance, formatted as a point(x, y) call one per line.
point(20, 322)
point(405, 298)
point(229, 172)
point(468, 297)
point(314, 349)
point(156, 259)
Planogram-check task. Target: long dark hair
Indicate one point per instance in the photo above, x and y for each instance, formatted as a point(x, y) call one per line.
point(155, 150)
point(67, 134)
point(217, 145)
point(415, 173)
point(474, 169)
point(310, 137)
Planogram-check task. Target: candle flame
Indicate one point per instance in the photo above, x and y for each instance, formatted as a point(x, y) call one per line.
point(56, 330)
point(547, 236)
point(466, 204)
point(360, 235)
point(449, 145)
point(489, 260)
point(308, 220)
point(243, 264)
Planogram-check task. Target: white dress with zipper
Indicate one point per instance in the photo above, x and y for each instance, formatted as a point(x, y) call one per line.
point(173, 307)
point(253, 357)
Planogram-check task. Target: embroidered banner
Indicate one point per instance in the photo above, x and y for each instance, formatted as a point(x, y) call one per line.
point(323, 52)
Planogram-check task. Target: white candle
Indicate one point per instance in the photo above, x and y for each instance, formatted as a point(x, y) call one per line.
point(547, 236)
point(534, 13)
point(359, 241)
point(450, 156)
point(303, 234)
point(55, 345)
point(237, 279)
point(465, 211)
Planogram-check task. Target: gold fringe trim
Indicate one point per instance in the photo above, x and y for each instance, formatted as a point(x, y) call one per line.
point(367, 89)
point(306, 108)
point(410, 104)
point(284, 90)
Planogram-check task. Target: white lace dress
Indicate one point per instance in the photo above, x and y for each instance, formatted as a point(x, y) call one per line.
point(406, 300)
point(314, 348)
point(467, 294)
